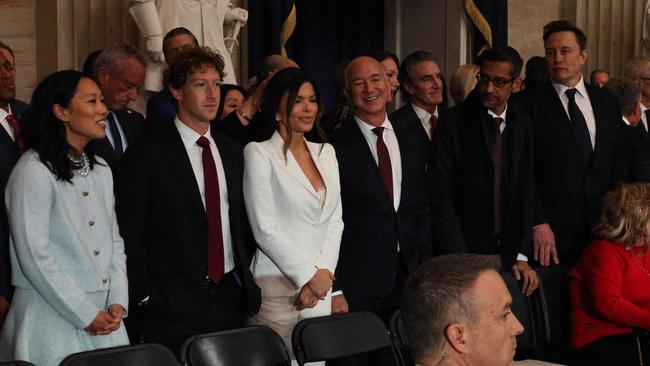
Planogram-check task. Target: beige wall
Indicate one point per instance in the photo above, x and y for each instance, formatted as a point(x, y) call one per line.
point(18, 31)
point(525, 30)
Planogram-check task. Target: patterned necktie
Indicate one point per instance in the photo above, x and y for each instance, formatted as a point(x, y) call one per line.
point(579, 125)
point(117, 138)
point(213, 212)
point(15, 128)
point(433, 121)
point(385, 168)
point(497, 163)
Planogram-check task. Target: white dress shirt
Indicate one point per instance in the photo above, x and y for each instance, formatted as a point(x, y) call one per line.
point(195, 154)
point(583, 102)
point(5, 123)
point(425, 118)
point(390, 139)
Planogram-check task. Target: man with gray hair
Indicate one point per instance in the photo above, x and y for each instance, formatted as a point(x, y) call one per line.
point(119, 72)
point(628, 97)
point(456, 311)
point(638, 69)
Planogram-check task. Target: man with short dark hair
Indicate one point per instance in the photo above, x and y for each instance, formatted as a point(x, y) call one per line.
point(483, 198)
point(638, 69)
point(180, 210)
point(577, 148)
point(599, 78)
point(119, 72)
point(456, 311)
point(10, 148)
point(421, 86)
point(161, 107)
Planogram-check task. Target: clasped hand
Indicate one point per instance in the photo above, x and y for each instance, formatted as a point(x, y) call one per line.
point(315, 289)
point(106, 321)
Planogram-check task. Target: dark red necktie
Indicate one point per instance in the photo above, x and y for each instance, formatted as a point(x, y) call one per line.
point(385, 168)
point(433, 121)
point(497, 152)
point(13, 123)
point(213, 212)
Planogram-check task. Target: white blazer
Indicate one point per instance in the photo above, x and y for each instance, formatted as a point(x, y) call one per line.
point(295, 235)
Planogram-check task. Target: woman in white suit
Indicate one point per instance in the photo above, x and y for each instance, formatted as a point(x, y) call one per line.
point(67, 256)
point(292, 195)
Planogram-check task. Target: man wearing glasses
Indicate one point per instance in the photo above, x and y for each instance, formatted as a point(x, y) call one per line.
point(482, 170)
point(638, 69)
point(578, 146)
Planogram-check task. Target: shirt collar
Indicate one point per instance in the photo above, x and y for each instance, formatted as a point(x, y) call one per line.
point(560, 89)
point(643, 108)
point(502, 115)
point(4, 114)
point(627, 121)
point(422, 114)
point(188, 135)
point(367, 128)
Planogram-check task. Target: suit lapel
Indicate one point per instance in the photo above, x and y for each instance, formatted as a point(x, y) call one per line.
point(601, 127)
point(290, 165)
point(360, 146)
point(180, 162)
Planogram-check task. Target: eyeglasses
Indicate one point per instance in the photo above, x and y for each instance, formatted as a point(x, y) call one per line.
point(497, 82)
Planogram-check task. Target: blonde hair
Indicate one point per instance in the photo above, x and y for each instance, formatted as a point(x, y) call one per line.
point(462, 82)
point(625, 214)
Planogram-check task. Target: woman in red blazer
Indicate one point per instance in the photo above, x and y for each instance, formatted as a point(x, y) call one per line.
point(610, 285)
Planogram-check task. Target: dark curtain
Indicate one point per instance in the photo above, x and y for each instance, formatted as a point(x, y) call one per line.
point(496, 13)
point(327, 32)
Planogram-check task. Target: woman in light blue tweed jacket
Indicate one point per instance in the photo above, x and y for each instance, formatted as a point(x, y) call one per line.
point(67, 257)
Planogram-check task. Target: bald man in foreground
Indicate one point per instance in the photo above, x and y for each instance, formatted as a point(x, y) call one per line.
point(387, 216)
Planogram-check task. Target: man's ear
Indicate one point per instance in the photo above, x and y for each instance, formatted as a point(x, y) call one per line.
point(457, 336)
point(176, 93)
point(102, 75)
point(60, 113)
point(408, 87)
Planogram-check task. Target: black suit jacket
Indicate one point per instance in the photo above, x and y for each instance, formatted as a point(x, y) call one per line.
point(9, 155)
point(133, 125)
point(407, 118)
point(368, 259)
point(569, 189)
point(463, 180)
point(164, 226)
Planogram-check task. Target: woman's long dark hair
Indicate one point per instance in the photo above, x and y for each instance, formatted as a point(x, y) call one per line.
point(45, 133)
point(289, 81)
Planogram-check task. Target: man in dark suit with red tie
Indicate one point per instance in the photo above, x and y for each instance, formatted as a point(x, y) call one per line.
point(10, 149)
point(578, 148)
point(482, 170)
point(385, 199)
point(421, 86)
point(180, 211)
point(119, 72)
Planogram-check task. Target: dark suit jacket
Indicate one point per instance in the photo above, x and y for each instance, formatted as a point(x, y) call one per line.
point(463, 180)
point(368, 258)
point(407, 117)
point(9, 155)
point(161, 109)
point(133, 125)
point(164, 226)
point(570, 189)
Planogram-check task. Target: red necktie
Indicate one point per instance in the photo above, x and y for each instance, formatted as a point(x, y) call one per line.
point(13, 123)
point(213, 212)
point(433, 121)
point(497, 152)
point(385, 168)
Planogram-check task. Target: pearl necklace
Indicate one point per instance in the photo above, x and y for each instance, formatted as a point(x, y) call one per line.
point(82, 166)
